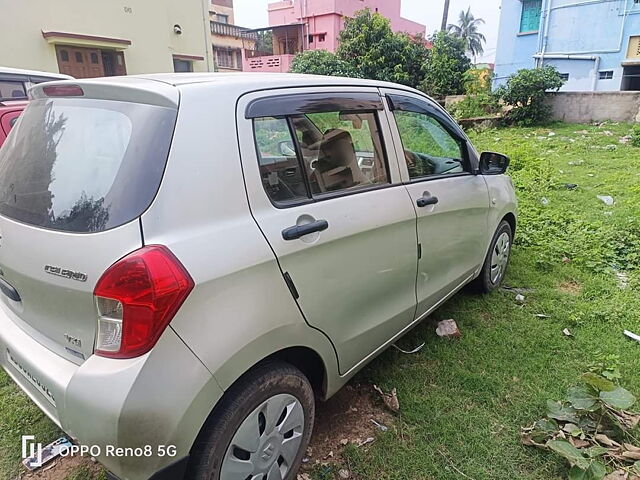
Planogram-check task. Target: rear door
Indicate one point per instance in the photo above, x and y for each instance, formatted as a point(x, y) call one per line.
point(324, 187)
point(452, 202)
point(75, 175)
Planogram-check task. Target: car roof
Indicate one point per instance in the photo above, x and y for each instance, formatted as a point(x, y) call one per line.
point(254, 80)
point(162, 88)
point(33, 73)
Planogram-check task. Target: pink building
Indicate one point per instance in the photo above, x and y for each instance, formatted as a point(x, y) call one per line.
point(299, 25)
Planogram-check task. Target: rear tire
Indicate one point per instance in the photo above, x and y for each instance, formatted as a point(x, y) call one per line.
point(496, 262)
point(260, 430)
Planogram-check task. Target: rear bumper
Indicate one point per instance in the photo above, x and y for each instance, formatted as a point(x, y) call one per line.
point(145, 405)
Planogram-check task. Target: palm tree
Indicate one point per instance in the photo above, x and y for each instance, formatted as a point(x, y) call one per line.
point(467, 29)
point(445, 15)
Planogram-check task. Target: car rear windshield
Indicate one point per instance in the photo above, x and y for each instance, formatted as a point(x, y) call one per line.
point(84, 165)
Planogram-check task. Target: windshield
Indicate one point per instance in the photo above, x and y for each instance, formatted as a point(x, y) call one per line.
point(84, 165)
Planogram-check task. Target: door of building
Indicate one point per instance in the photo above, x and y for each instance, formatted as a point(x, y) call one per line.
point(81, 62)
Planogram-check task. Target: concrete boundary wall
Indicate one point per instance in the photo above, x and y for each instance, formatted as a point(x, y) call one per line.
point(585, 107)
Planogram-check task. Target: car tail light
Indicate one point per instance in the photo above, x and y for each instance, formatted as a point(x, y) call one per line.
point(63, 91)
point(136, 299)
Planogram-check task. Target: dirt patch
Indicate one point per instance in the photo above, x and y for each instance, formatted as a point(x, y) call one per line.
point(346, 418)
point(60, 468)
point(570, 287)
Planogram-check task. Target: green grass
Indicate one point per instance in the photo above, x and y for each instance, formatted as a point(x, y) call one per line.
point(463, 402)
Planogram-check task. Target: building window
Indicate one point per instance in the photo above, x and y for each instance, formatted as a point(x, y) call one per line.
point(530, 19)
point(564, 76)
point(181, 66)
point(228, 58)
point(606, 75)
point(322, 37)
point(79, 58)
point(310, 38)
point(222, 18)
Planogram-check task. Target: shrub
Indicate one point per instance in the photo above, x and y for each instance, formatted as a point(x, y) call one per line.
point(635, 136)
point(322, 62)
point(477, 105)
point(525, 91)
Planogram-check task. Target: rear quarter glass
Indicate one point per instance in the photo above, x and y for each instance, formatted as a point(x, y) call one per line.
point(84, 165)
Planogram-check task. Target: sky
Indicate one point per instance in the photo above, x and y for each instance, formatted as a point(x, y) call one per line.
point(253, 14)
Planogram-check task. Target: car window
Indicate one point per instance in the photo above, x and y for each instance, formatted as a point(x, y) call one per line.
point(10, 90)
point(84, 165)
point(429, 149)
point(302, 156)
point(341, 150)
point(281, 173)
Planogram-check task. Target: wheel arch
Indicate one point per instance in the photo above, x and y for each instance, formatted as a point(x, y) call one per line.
point(510, 218)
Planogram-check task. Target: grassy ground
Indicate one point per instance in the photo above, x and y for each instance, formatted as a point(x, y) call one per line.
point(463, 402)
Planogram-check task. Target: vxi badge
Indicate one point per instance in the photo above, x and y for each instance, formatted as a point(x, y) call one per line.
point(66, 273)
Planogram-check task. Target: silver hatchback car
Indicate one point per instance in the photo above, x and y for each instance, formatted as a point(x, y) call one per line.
point(188, 261)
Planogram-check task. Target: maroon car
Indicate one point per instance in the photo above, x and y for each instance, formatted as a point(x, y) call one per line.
point(9, 113)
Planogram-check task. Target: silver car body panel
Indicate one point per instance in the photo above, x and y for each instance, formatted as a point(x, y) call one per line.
point(241, 310)
point(448, 231)
point(359, 304)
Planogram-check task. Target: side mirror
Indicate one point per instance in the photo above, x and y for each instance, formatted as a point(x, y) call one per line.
point(493, 163)
point(286, 148)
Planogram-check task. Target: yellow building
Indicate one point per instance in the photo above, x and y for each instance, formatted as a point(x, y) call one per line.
point(226, 37)
point(91, 38)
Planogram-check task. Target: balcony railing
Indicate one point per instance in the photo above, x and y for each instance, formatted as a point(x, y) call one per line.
point(226, 29)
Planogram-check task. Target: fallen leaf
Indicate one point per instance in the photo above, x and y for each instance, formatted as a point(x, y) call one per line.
point(567, 332)
point(617, 475)
point(390, 399)
point(343, 473)
point(576, 442)
point(602, 439)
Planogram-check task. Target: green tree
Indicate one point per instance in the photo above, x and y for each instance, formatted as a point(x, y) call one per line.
point(526, 90)
point(467, 29)
point(446, 67)
point(368, 43)
point(322, 62)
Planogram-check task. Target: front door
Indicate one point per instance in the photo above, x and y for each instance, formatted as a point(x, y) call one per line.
point(80, 62)
point(451, 201)
point(325, 189)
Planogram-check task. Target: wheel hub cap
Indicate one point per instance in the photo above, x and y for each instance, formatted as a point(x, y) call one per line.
point(267, 442)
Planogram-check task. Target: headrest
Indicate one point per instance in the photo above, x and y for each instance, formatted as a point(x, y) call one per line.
point(336, 150)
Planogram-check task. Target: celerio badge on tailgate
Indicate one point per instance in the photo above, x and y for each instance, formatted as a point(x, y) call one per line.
point(66, 273)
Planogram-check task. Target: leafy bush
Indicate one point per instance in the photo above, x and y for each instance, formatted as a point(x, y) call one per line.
point(322, 62)
point(446, 66)
point(477, 105)
point(525, 91)
point(478, 80)
point(635, 136)
point(593, 428)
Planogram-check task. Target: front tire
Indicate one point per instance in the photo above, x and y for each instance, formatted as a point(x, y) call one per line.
point(261, 429)
point(497, 260)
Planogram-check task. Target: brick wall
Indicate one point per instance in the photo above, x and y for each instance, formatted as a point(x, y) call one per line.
point(585, 107)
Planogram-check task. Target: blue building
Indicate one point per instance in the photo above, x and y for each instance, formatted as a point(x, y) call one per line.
point(594, 44)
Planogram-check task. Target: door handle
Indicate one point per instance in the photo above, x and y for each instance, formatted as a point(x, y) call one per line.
point(297, 231)
point(424, 201)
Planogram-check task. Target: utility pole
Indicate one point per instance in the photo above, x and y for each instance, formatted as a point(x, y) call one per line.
point(445, 16)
